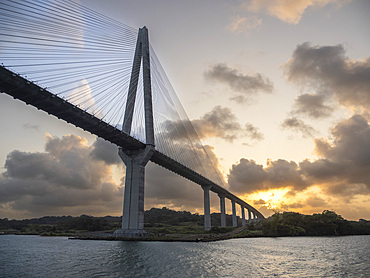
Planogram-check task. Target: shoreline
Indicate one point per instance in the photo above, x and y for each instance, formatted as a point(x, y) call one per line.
point(171, 238)
point(165, 238)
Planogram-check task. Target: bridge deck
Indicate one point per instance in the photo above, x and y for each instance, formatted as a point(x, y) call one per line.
point(22, 89)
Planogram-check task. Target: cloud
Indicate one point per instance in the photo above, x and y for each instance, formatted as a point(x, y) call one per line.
point(247, 176)
point(344, 165)
point(259, 202)
point(351, 143)
point(347, 190)
point(71, 177)
point(342, 169)
point(315, 201)
point(253, 132)
point(105, 151)
point(242, 24)
point(294, 205)
point(327, 69)
point(164, 188)
point(287, 10)
point(312, 105)
point(298, 125)
point(66, 178)
point(245, 85)
point(31, 126)
point(220, 122)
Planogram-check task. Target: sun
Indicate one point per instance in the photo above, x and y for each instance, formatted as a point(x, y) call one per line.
point(271, 199)
point(271, 206)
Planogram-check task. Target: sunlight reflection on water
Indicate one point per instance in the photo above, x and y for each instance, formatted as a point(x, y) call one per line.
point(32, 256)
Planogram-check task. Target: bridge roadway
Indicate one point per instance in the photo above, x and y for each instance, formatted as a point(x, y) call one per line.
point(30, 93)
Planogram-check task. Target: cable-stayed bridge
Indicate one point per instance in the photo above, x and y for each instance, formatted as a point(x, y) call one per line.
point(104, 77)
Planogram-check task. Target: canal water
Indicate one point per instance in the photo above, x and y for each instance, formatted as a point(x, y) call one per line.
point(34, 256)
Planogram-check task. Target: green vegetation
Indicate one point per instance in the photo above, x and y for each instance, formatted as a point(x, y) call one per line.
point(327, 223)
point(59, 225)
point(164, 221)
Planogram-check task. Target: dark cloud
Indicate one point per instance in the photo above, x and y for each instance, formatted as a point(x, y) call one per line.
point(105, 151)
point(299, 126)
point(253, 132)
point(322, 170)
point(71, 177)
point(63, 179)
point(345, 163)
point(283, 173)
point(168, 189)
point(199, 158)
point(247, 176)
point(288, 207)
point(315, 201)
point(312, 105)
point(342, 169)
point(259, 202)
point(220, 122)
point(346, 190)
point(351, 142)
point(247, 85)
point(327, 68)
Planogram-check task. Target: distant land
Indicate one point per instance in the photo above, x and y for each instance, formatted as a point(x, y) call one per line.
point(169, 224)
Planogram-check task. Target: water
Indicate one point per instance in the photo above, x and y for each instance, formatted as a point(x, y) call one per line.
point(33, 256)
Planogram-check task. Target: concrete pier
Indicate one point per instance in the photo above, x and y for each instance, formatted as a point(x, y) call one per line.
point(207, 213)
point(222, 209)
point(249, 217)
point(235, 223)
point(133, 206)
point(243, 216)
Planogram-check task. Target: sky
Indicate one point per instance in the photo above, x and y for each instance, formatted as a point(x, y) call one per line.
point(278, 91)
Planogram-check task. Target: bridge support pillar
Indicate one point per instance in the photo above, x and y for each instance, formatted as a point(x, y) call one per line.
point(243, 216)
point(235, 223)
point(222, 209)
point(133, 205)
point(207, 209)
point(249, 217)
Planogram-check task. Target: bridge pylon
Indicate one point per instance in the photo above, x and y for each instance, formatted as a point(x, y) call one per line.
point(136, 159)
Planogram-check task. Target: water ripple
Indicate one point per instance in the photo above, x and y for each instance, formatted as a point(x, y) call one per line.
point(32, 256)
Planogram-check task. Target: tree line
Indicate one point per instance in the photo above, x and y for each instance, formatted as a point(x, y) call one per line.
point(327, 223)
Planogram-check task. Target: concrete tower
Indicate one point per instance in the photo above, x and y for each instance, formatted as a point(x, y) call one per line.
point(136, 159)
